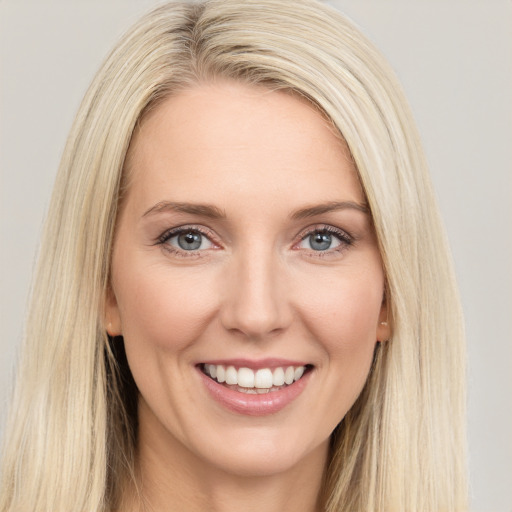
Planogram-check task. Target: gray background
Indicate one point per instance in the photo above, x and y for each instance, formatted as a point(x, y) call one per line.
point(454, 58)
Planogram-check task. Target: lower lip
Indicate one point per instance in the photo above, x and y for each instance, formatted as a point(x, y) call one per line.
point(254, 405)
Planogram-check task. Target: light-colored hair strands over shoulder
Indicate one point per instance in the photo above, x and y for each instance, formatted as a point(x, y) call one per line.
point(71, 436)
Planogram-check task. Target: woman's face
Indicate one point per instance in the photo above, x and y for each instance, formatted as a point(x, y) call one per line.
point(244, 248)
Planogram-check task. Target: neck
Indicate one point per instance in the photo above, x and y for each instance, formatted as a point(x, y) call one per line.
point(170, 478)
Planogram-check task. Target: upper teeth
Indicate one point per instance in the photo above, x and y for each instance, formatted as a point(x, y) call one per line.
point(264, 378)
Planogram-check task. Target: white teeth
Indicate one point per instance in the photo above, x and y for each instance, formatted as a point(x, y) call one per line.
point(246, 378)
point(289, 375)
point(278, 377)
point(299, 372)
point(249, 391)
point(221, 373)
point(249, 381)
point(231, 375)
point(263, 378)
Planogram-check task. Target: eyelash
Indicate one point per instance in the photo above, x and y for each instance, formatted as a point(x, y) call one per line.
point(167, 235)
point(346, 240)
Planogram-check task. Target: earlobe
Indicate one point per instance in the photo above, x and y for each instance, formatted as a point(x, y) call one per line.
point(112, 318)
point(383, 327)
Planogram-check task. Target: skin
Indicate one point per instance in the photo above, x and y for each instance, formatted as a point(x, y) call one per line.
point(256, 288)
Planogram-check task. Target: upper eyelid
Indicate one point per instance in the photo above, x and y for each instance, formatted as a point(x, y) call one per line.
point(171, 232)
point(323, 227)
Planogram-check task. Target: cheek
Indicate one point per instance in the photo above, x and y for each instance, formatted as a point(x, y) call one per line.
point(162, 309)
point(343, 320)
point(344, 310)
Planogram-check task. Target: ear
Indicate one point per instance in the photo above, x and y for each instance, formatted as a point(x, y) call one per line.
point(112, 317)
point(384, 325)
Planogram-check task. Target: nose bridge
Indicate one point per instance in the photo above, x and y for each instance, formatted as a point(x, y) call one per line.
point(255, 301)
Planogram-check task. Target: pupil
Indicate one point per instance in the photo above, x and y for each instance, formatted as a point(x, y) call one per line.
point(320, 241)
point(189, 241)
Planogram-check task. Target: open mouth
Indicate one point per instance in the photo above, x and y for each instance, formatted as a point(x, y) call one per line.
point(261, 381)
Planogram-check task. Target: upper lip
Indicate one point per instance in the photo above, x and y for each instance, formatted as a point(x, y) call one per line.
point(256, 364)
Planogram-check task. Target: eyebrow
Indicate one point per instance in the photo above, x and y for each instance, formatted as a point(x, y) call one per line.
point(331, 206)
point(205, 210)
point(213, 212)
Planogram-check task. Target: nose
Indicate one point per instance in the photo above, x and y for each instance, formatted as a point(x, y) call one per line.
point(255, 302)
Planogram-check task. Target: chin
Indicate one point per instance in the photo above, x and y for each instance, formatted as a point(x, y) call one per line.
point(263, 453)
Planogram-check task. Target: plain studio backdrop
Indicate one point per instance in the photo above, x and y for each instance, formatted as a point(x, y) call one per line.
point(454, 58)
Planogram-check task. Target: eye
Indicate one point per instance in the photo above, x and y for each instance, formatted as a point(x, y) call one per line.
point(320, 241)
point(186, 239)
point(325, 239)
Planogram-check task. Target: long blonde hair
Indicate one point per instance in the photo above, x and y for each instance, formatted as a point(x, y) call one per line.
point(72, 428)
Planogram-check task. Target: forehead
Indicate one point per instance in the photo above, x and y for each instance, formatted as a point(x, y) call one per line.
point(229, 138)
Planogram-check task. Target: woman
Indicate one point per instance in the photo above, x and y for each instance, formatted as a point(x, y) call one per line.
point(247, 295)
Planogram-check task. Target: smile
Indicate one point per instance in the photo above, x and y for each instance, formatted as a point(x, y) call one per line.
point(246, 380)
point(265, 389)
